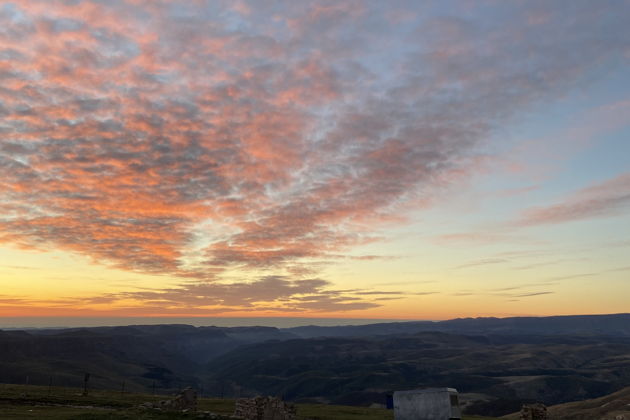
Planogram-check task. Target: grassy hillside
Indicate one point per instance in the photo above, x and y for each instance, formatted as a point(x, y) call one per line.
point(494, 374)
point(38, 402)
point(508, 370)
point(110, 358)
point(615, 405)
point(165, 356)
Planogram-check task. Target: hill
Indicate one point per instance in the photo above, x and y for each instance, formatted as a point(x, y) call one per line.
point(609, 407)
point(614, 324)
point(496, 374)
point(162, 356)
point(32, 402)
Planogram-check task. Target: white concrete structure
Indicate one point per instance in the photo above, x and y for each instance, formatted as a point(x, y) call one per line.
point(427, 404)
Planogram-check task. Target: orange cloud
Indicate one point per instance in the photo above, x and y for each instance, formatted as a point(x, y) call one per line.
point(128, 127)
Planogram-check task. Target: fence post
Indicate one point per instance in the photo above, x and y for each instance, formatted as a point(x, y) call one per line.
point(86, 378)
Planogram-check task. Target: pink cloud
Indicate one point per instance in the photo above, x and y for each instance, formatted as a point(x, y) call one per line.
point(129, 127)
point(604, 199)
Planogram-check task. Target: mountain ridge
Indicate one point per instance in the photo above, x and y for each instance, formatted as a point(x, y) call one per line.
point(604, 324)
point(496, 363)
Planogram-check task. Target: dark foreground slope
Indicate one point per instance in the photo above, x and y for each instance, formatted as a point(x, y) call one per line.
point(616, 405)
point(19, 402)
point(160, 356)
point(608, 407)
point(505, 370)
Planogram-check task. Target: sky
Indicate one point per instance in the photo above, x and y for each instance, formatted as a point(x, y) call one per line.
point(347, 159)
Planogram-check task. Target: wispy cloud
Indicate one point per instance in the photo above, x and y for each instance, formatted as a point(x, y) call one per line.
point(532, 294)
point(604, 199)
point(467, 238)
point(486, 261)
point(573, 276)
point(511, 292)
point(607, 198)
point(545, 263)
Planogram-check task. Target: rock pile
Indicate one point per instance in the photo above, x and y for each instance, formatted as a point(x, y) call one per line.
point(264, 408)
point(534, 412)
point(186, 401)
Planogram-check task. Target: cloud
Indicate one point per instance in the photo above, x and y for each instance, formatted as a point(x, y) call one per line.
point(12, 301)
point(276, 293)
point(573, 276)
point(604, 199)
point(193, 140)
point(405, 283)
point(483, 262)
point(483, 237)
point(376, 292)
point(545, 263)
point(19, 267)
point(533, 294)
point(608, 198)
point(511, 292)
point(521, 286)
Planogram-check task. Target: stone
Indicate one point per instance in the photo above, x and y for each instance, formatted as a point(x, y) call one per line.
point(185, 401)
point(534, 412)
point(264, 408)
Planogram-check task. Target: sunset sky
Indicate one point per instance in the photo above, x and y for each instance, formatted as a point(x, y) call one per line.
point(365, 159)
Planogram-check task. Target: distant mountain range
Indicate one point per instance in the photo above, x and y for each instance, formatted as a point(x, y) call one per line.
point(616, 325)
point(495, 363)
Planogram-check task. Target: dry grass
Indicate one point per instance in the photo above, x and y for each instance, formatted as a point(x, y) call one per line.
point(40, 402)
